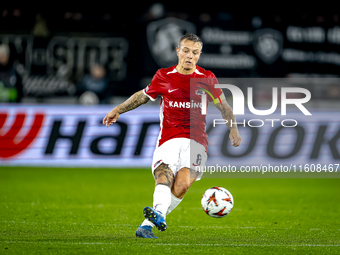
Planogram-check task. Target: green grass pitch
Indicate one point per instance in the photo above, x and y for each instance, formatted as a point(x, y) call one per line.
point(97, 211)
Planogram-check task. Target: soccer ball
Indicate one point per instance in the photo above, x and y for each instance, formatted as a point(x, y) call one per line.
point(217, 202)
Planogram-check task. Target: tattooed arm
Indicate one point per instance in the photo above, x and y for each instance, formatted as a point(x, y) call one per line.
point(133, 102)
point(227, 114)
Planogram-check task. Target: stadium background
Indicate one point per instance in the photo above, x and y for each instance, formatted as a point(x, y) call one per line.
point(52, 52)
point(49, 119)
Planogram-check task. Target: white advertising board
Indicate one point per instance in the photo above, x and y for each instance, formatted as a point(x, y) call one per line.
point(74, 136)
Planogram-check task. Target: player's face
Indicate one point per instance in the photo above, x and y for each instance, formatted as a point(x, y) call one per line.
point(188, 54)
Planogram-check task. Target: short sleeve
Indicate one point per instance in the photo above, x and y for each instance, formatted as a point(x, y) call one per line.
point(152, 90)
point(217, 93)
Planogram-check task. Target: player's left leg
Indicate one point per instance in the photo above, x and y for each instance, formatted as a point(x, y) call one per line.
point(184, 179)
point(193, 156)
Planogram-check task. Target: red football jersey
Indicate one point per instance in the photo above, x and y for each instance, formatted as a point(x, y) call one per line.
point(180, 113)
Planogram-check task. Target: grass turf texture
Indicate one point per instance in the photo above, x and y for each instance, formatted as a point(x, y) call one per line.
point(89, 211)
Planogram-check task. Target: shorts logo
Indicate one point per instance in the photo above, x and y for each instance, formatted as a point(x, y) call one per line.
point(199, 159)
point(157, 163)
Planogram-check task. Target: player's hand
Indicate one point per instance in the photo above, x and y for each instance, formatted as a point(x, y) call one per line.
point(235, 137)
point(111, 117)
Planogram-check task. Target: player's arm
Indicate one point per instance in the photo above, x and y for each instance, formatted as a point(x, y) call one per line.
point(131, 103)
point(227, 114)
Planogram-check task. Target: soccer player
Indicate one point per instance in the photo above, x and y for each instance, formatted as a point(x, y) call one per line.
point(182, 142)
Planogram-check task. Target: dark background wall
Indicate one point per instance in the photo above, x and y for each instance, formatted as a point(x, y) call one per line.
point(53, 48)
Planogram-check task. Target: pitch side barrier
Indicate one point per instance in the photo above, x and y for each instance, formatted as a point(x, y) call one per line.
point(75, 136)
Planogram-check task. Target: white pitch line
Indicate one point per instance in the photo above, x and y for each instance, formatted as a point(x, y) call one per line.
point(256, 245)
point(185, 244)
point(70, 223)
point(117, 225)
point(136, 225)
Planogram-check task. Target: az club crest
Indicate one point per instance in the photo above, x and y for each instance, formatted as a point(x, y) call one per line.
point(163, 36)
point(268, 44)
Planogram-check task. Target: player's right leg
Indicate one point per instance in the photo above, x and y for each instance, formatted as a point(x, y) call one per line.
point(164, 178)
point(164, 167)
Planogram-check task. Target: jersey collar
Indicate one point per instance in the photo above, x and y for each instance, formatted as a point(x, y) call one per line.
point(175, 71)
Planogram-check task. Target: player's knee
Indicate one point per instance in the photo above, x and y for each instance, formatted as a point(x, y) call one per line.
point(182, 186)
